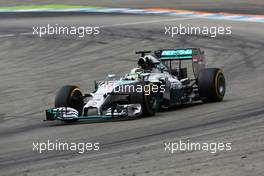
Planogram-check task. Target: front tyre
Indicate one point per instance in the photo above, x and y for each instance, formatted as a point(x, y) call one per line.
point(211, 85)
point(70, 96)
point(151, 102)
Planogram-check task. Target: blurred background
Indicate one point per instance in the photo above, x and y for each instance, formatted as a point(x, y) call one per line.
point(234, 6)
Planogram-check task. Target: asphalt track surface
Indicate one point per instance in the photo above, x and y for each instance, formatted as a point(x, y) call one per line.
point(32, 69)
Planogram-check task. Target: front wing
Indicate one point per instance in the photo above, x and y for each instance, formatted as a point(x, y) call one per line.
point(70, 114)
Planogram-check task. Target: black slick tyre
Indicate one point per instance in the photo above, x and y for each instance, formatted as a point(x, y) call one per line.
point(211, 85)
point(69, 96)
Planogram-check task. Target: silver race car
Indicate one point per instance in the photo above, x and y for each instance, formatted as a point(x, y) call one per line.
point(163, 79)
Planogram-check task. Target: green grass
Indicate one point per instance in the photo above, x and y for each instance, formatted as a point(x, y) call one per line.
point(45, 6)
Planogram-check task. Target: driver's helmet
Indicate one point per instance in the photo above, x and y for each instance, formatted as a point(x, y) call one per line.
point(142, 63)
point(135, 73)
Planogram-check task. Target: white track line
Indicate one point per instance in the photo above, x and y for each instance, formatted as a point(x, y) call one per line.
point(148, 22)
point(15, 35)
point(7, 35)
point(28, 33)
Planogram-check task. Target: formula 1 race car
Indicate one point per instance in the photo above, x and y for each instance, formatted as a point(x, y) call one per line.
point(163, 79)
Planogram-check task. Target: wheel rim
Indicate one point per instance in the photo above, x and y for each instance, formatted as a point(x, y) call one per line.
point(221, 85)
point(153, 103)
point(75, 101)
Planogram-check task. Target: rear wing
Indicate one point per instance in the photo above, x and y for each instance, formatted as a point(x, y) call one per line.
point(194, 54)
point(170, 56)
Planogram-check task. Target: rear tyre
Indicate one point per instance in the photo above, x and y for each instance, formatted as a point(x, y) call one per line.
point(211, 85)
point(70, 96)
